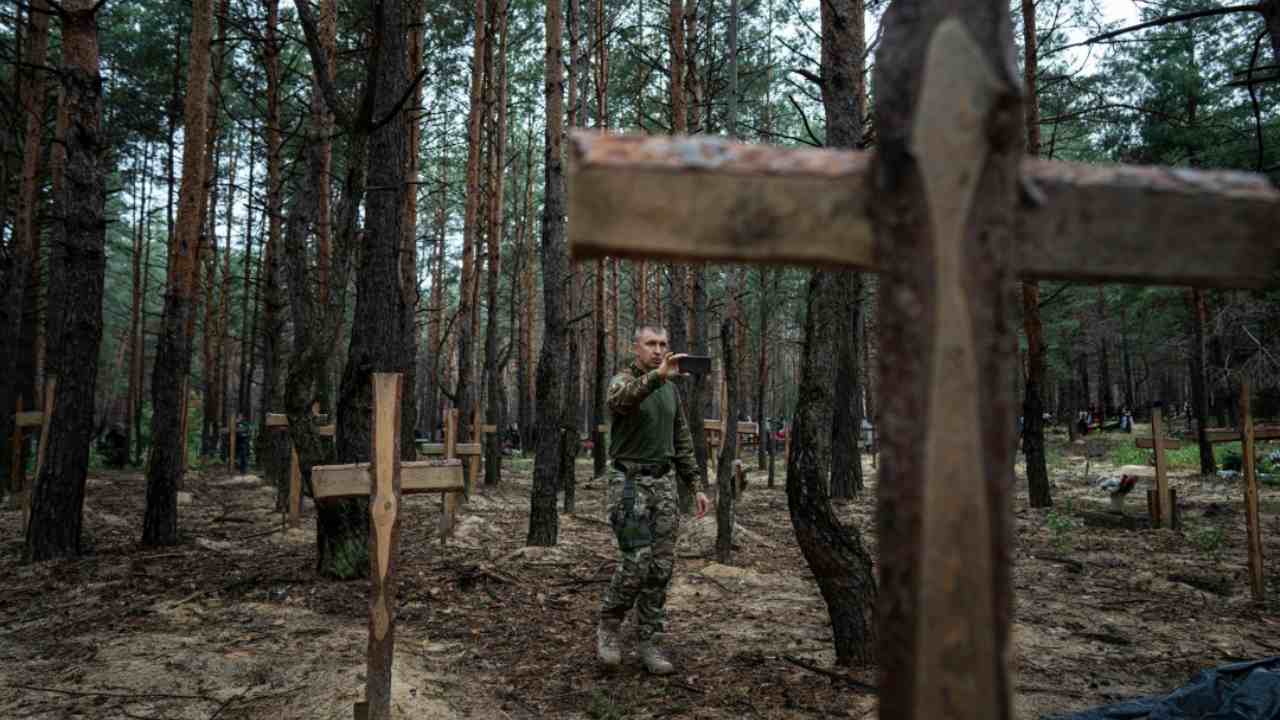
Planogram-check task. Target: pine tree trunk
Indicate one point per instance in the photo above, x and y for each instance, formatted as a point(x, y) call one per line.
point(411, 331)
point(842, 70)
point(764, 441)
point(497, 163)
point(248, 328)
point(435, 314)
point(76, 273)
point(726, 476)
point(17, 307)
point(544, 522)
point(836, 556)
point(376, 345)
point(524, 359)
point(1032, 404)
point(173, 355)
point(134, 392)
point(468, 313)
point(270, 455)
point(1199, 395)
point(322, 125)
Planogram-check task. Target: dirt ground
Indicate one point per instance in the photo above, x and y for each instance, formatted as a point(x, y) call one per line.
point(234, 624)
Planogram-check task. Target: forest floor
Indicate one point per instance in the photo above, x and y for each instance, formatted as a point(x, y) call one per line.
point(233, 624)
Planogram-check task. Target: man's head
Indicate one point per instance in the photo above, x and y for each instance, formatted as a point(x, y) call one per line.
point(650, 346)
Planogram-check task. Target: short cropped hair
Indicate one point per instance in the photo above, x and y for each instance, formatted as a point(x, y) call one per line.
point(655, 329)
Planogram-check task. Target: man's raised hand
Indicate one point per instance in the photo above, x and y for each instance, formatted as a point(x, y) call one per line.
point(670, 365)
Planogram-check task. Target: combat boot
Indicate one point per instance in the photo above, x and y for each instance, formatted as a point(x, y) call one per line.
point(655, 661)
point(608, 644)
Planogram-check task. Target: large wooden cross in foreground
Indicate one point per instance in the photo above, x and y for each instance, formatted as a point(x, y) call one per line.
point(951, 216)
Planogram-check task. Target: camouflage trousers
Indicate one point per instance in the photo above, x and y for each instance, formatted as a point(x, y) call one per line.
point(643, 574)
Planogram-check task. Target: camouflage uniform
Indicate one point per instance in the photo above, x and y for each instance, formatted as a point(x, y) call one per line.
point(643, 406)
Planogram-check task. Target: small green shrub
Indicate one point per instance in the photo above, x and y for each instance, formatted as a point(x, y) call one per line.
point(1208, 539)
point(1232, 460)
point(1060, 524)
point(605, 707)
point(350, 560)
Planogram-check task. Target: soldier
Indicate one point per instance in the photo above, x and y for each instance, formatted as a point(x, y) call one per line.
point(649, 438)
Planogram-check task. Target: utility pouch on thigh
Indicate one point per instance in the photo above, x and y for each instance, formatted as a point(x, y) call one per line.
point(631, 527)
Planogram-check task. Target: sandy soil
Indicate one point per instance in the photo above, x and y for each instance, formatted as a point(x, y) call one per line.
point(233, 624)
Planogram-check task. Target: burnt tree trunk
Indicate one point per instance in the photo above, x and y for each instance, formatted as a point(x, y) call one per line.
point(835, 555)
point(1032, 403)
point(544, 521)
point(76, 266)
point(173, 354)
point(726, 475)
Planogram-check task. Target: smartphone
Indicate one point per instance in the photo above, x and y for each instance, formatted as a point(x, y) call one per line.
point(696, 364)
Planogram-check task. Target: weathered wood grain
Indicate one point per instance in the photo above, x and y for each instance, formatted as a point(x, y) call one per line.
point(424, 476)
point(706, 198)
point(1257, 581)
point(384, 536)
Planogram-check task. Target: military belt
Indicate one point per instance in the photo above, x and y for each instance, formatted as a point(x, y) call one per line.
point(654, 470)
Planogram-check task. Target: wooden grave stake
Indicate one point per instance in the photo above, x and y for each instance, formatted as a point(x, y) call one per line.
point(46, 417)
point(449, 506)
point(1257, 581)
point(948, 211)
point(384, 480)
point(231, 441)
point(477, 438)
point(16, 474)
point(280, 422)
point(1163, 507)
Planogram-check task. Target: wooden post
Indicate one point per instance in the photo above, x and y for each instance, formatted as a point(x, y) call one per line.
point(51, 387)
point(1161, 508)
point(17, 478)
point(449, 503)
point(231, 442)
point(185, 396)
point(384, 534)
point(1257, 583)
point(477, 437)
point(295, 489)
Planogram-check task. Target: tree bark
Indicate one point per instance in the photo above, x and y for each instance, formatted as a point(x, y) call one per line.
point(544, 522)
point(411, 331)
point(173, 356)
point(497, 163)
point(726, 476)
point(271, 456)
point(376, 345)
point(842, 70)
point(469, 282)
point(836, 556)
point(16, 277)
point(1199, 394)
point(322, 125)
point(764, 442)
point(1032, 403)
point(76, 267)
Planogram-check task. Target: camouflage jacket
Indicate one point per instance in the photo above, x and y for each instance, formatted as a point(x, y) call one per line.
point(649, 425)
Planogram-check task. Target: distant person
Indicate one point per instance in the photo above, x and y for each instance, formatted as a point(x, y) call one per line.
point(649, 440)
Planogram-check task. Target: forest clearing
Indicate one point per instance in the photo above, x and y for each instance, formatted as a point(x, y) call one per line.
point(916, 359)
point(235, 619)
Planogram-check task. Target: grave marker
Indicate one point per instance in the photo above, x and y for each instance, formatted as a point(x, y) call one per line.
point(1253, 528)
point(957, 216)
point(385, 479)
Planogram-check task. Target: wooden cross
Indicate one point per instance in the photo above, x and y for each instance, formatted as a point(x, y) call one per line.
point(22, 421)
point(1247, 435)
point(280, 422)
point(384, 480)
point(951, 216)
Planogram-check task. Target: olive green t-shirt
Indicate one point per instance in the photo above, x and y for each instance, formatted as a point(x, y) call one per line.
point(646, 433)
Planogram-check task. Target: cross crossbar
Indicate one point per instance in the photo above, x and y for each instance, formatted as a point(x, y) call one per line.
point(710, 199)
point(29, 419)
point(280, 421)
point(461, 449)
point(329, 482)
point(1147, 443)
